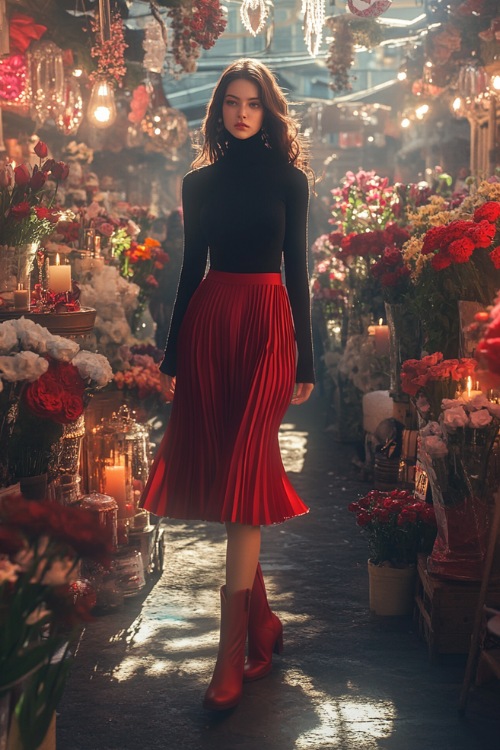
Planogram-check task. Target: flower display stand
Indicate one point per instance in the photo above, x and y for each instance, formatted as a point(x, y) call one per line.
point(445, 610)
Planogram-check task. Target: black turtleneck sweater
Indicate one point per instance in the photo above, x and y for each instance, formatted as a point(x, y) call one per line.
point(250, 209)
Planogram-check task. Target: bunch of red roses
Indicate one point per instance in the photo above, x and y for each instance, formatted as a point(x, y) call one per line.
point(416, 374)
point(397, 525)
point(371, 243)
point(42, 610)
point(58, 394)
point(391, 270)
point(456, 242)
point(23, 216)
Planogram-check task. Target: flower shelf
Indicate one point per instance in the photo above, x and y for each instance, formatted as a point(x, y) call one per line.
point(75, 323)
point(445, 611)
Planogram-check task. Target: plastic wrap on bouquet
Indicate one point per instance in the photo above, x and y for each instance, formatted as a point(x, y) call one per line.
point(461, 499)
point(404, 341)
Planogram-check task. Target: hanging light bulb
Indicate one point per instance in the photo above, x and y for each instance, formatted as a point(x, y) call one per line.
point(102, 109)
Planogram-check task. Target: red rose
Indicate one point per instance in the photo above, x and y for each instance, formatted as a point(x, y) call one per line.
point(41, 150)
point(72, 407)
point(37, 180)
point(461, 250)
point(20, 211)
point(43, 397)
point(489, 211)
point(363, 518)
point(495, 256)
point(69, 377)
point(22, 175)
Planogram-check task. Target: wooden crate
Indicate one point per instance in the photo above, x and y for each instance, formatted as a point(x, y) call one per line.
point(445, 611)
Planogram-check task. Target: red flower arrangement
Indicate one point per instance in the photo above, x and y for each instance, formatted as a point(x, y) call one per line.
point(456, 242)
point(488, 349)
point(58, 394)
point(431, 379)
point(397, 525)
point(392, 273)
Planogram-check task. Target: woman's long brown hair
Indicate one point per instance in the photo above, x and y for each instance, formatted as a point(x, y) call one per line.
point(281, 130)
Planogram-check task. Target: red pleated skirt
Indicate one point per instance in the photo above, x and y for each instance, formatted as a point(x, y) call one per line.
point(219, 459)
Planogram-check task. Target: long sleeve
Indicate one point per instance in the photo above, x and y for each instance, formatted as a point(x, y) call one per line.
point(193, 265)
point(296, 273)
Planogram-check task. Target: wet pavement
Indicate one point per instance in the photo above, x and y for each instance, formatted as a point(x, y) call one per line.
point(347, 680)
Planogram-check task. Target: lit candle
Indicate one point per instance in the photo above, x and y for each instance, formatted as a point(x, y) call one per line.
point(21, 298)
point(381, 333)
point(115, 485)
point(59, 277)
point(469, 392)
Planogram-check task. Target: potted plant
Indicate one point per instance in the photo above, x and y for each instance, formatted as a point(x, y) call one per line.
point(398, 527)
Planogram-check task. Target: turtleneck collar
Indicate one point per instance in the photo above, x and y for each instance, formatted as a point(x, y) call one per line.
point(245, 149)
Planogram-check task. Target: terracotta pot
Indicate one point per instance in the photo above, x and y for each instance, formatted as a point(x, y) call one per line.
point(392, 590)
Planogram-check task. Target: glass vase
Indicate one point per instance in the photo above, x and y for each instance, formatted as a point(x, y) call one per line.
point(16, 265)
point(404, 343)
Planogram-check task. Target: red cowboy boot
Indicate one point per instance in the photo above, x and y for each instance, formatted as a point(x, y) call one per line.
point(265, 633)
point(225, 687)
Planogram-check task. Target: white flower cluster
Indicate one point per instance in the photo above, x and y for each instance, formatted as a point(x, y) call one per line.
point(475, 413)
point(359, 363)
point(24, 343)
point(114, 298)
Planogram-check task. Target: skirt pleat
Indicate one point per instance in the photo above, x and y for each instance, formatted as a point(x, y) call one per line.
point(219, 459)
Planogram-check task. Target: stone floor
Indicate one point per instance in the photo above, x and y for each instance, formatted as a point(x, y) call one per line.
point(347, 680)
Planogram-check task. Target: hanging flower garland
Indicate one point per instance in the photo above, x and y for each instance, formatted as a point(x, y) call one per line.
point(194, 27)
point(109, 54)
point(253, 14)
point(340, 53)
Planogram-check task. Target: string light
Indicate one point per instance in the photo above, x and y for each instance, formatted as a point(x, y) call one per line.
point(314, 20)
point(405, 122)
point(253, 14)
point(402, 75)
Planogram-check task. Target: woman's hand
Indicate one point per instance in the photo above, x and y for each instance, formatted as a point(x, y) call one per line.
point(167, 384)
point(301, 393)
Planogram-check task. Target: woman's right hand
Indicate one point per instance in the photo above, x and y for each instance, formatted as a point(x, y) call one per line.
point(167, 385)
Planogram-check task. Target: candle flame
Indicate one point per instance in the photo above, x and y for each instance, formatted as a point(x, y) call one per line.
point(469, 386)
point(380, 321)
point(58, 261)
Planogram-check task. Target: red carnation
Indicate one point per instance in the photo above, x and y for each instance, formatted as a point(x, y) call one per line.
point(482, 233)
point(20, 211)
point(461, 250)
point(489, 211)
point(440, 261)
point(432, 239)
point(495, 256)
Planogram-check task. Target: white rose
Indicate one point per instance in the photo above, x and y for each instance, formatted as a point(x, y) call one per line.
point(93, 366)
point(493, 409)
point(455, 417)
point(449, 403)
point(480, 418)
point(23, 366)
point(31, 335)
point(478, 402)
point(8, 337)
point(62, 349)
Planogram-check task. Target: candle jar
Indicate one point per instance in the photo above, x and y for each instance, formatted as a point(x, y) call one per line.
point(117, 458)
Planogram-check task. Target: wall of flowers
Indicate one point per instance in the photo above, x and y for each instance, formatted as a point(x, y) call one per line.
point(405, 311)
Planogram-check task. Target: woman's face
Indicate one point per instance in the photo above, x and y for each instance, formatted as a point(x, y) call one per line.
point(242, 109)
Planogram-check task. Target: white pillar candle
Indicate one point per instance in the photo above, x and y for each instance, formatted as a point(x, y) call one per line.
point(115, 485)
point(59, 277)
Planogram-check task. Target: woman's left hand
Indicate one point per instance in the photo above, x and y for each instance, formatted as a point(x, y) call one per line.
point(301, 393)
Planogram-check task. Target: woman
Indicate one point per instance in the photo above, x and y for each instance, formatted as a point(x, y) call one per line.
point(236, 345)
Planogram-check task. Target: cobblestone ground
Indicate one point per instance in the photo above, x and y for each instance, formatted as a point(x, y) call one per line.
point(347, 680)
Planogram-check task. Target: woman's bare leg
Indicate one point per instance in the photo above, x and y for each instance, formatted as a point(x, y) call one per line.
point(242, 556)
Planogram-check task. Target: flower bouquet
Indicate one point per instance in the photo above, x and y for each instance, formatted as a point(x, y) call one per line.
point(42, 607)
point(140, 378)
point(456, 437)
point(398, 528)
point(27, 216)
point(396, 524)
point(456, 258)
point(45, 383)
